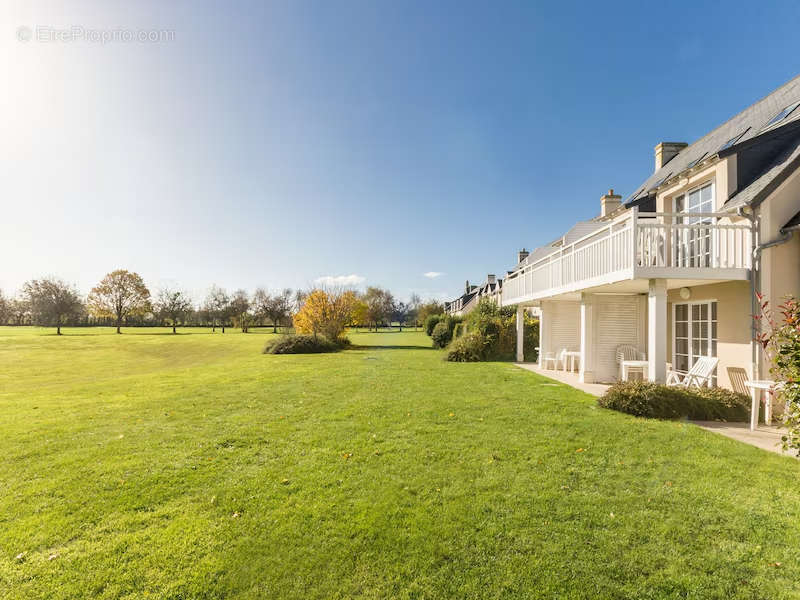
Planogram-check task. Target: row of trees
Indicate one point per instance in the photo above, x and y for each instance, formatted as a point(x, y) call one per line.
point(122, 298)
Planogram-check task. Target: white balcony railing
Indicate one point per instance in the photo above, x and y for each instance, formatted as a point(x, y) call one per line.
point(696, 245)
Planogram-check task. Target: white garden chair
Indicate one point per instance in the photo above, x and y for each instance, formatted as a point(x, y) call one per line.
point(699, 375)
point(549, 358)
point(555, 359)
point(630, 353)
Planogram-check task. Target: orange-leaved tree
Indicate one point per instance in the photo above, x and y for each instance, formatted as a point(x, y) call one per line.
point(326, 312)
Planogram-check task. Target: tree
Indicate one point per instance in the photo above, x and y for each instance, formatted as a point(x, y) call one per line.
point(173, 305)
point(414, 303)
point(19, 311)
point(360, 312)
point(379, 305)
point(259, 304)
point(5, 309)
point(52, 301)
point(326, 312)
point(400, 312)
point(240, 308)
point(217, 305)
point(276, 308)
point(119, 294)
point(431, 307)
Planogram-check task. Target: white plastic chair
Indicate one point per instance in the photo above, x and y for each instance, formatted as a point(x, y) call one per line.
point(699, 375)
point(628, 352)
point(550, 357)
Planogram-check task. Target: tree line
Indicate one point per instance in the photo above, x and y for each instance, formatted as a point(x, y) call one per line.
point(122, 298)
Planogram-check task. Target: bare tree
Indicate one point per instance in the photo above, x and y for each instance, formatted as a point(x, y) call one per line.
point(414, 302)
point(259, 304)
point(52, 301)
point(380, 303)
point(279, 308)
point(119, 294)
point(240, 308)
point(173, 305)
point(218, 304)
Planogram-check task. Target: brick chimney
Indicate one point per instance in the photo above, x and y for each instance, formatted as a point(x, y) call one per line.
point(666, 151)
point(522, 255)
point(609, 203)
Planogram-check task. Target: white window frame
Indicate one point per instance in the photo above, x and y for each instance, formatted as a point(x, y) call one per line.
point(689, 337)
point(682, 241)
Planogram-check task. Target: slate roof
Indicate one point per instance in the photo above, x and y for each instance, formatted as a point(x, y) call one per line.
point(744, 127)
point(784, 164)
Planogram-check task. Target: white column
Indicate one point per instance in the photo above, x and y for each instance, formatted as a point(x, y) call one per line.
point(543, 324)
point(657, 330)
point(520, 333)
point(586, 373)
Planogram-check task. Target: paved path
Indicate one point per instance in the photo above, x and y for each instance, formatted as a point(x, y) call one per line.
point(766, 438)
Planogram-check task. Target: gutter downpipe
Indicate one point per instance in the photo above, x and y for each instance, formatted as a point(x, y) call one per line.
point(755, 279)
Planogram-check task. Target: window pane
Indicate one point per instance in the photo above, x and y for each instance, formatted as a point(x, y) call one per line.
point(714, 330)
point(682, 363)
point(704, 312)
point(714, 311)
point(696, 347)
point(679, 204)
point(681, 347)
point(682, 329)
point(714, 348)
point(695, 312)
point(681, 312)
point(705, 194)
point(704, 330)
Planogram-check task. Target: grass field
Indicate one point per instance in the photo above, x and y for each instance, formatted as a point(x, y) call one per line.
point(192, 466)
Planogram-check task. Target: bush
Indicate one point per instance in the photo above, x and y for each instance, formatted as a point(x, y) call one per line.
point(300, 344)
point(470, 347)
point(645, 399)
point(431, 322)
point(441, 334)
point(458, 330)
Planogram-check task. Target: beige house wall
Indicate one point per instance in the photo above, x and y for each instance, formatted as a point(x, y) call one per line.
point(734, 323)
point(780, 266)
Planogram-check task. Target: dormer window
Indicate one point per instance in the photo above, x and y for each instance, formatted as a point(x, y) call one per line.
point(782, 115)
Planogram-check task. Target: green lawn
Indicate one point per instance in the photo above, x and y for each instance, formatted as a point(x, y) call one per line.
point(193, 466)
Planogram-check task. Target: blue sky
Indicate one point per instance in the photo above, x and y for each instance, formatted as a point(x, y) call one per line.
point(276, 143)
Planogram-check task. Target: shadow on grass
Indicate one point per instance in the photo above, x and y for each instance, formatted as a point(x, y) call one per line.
point(386, 347)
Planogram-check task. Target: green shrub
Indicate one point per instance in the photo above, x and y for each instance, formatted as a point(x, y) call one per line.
point(300, 344)
point(441, 334)
point(645, 399)
point(431, 322)
point(458, 330)
point(471, 347)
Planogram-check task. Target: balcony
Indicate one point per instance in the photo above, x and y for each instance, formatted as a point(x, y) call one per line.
point(639, 246)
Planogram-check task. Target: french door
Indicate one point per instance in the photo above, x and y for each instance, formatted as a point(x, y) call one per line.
point(694, 333)
point(694, 245)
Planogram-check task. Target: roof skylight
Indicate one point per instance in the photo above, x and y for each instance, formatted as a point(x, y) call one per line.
point(782, 115)
point(732, 141)
point(697, 160)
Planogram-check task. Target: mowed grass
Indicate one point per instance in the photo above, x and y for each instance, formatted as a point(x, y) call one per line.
point(193, 466)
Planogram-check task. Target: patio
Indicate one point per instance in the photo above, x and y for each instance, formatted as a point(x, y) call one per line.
point(764, 436)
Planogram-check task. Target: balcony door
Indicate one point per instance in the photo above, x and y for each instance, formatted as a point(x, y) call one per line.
point(694, 329)
point(694, 246)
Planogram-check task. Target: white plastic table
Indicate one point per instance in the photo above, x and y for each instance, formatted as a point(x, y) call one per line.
point(573, 356)
point(756, 387)
point(637, 365)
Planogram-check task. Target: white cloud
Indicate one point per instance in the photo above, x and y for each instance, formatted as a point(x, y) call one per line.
point(334, 280)
point(433, 274)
